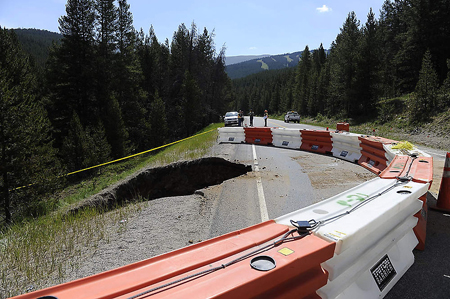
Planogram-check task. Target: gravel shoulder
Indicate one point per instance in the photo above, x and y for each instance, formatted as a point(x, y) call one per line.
point(143, 230)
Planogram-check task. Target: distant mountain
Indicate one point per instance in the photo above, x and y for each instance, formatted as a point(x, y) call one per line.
point(242, 58)
point(260, 64)
point(37, 43)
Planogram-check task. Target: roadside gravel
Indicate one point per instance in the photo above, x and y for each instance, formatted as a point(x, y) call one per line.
point(144, 230)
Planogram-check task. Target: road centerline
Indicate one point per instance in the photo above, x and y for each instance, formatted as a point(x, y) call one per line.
point(259, 187)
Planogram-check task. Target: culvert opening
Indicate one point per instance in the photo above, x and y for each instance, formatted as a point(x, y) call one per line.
point(177, 179)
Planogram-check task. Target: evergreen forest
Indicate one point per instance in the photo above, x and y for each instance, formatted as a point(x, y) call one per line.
point(107, 90)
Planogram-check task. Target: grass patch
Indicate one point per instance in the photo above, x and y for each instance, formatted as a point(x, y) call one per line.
point(38, 251)
point(264, 65)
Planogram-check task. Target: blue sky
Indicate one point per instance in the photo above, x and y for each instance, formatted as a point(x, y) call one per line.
point(245, 27)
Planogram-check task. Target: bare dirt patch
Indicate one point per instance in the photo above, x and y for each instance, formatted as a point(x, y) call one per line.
point(330, 176)
point(177, 179)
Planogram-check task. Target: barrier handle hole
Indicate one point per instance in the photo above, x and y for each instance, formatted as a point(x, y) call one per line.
point(404, 192)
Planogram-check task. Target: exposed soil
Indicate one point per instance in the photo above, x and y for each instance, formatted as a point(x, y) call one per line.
point(438, 139)
point(177, 179)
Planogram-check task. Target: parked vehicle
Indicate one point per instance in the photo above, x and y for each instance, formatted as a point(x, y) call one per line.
point(292, 116)
point(231, 118)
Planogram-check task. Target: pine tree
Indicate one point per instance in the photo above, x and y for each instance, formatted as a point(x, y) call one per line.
point(73, 83)
point(367, 74)
point(158, 122)
point(425, 95)
point(70, 71)
point(85, 147)
point(107, 45)
point(392, 28)
point(115, 129)
point(127, 75)
point(26, 148)
point(302, 82)
point(191, 95)
point(444, 91)
point(344, 66)
point(106, 42)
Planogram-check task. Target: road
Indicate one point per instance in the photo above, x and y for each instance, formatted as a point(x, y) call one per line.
point(283, 181)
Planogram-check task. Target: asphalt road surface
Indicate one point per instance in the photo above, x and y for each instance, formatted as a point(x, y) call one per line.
point(282, 181)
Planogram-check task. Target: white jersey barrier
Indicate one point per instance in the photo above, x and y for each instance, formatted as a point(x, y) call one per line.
point(392, 152)
point(346, 146)
point(372, 228)
point(289, 138)
point(231, 135)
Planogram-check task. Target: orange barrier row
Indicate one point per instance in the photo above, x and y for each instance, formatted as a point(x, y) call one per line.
point(318, 141)
point(421, 171)
point(296, 271)
point(373, 155)
point(257, 135)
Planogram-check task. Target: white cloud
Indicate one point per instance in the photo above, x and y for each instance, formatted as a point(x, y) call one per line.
point(252, 48)
point(323, 9)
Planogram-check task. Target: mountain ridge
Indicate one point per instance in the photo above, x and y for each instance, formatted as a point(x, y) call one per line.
point(256, 65)
point(230, 60)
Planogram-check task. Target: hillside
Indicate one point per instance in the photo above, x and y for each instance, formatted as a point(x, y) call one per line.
point(229, 60)
point(256, 65)
point(37, 43)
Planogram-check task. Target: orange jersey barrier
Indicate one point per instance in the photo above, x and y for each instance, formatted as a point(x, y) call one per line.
point(395, 168)
point(420, 170)
point(343, 127)
point(373, 155)
point(256, 135)
point(317, 141)
point(296, 274)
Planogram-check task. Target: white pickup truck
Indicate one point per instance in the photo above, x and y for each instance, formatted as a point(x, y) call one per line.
point(292, 116)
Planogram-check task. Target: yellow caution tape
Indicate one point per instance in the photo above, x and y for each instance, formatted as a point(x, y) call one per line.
point(403, 145)
point(122, 159)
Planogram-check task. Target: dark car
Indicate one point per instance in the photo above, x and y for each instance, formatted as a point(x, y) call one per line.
point(292, 116)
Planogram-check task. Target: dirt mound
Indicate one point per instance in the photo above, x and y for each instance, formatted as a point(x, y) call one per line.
point(181, 178)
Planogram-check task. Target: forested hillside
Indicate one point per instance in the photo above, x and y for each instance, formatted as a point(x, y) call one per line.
point(253, 66)
point(107, 91)
point(37, 43)
point(405, 51)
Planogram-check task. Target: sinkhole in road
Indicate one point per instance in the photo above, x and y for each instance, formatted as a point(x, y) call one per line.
point(177, 179)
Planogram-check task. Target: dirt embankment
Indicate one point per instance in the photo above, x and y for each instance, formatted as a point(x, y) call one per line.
point(177, 179)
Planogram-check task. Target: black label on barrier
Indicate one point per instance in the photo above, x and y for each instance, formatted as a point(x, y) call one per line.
point(257, 140)
point(285, 143)
point(344, 154)
point(231, 139)
point(383, 272)
point(315, 147)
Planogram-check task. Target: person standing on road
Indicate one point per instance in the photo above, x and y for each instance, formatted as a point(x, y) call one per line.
point(251, 114)
point(266, 116)
point(240, 118)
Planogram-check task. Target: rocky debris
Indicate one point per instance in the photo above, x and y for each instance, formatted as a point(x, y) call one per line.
point(181, 178)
